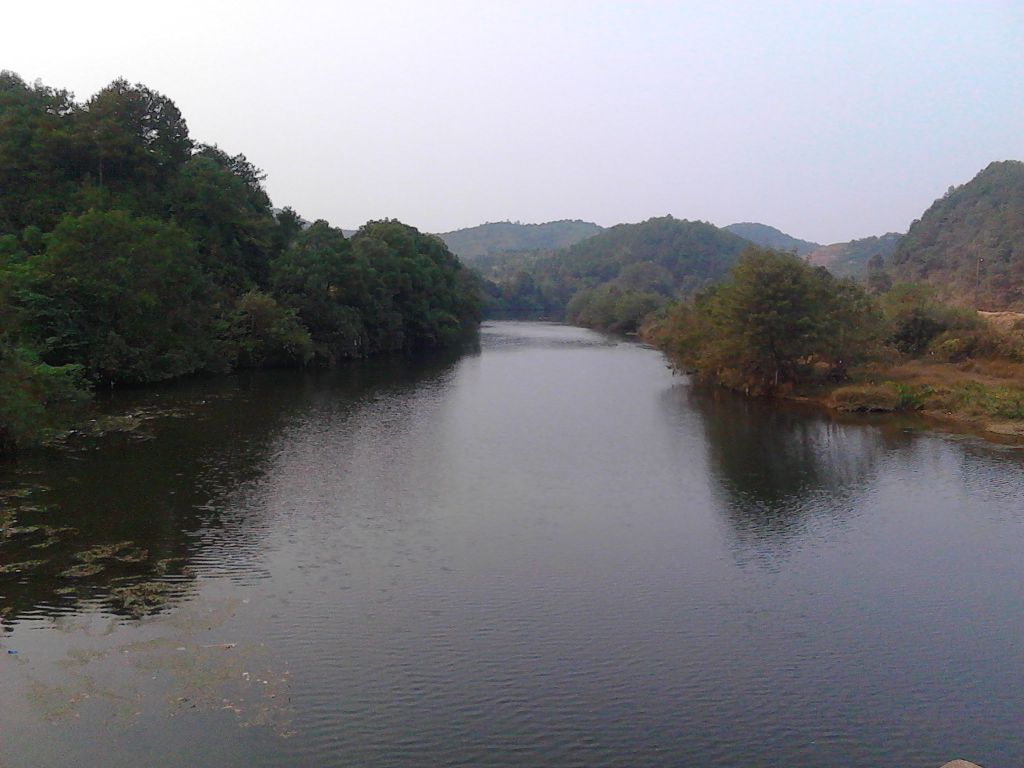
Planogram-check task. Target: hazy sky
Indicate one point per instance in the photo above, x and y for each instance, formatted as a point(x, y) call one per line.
point(829, 120)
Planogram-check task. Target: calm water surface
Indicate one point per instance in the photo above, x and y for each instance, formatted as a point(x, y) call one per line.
point(544, 551)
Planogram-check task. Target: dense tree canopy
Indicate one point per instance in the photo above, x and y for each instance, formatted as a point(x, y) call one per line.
point(131, 253)
point(776, 321)
point(478, 245)
point(606, 280)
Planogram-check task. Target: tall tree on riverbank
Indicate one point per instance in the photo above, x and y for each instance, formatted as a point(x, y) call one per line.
point(775, 322)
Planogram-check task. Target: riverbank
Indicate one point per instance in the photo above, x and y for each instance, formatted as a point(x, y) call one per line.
point(982, 395)
point(985, 397)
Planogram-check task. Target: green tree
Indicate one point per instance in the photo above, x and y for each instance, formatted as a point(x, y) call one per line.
point(428, 286)
point(122, 295)
point(35, 398)
point(774, 323)
point(317, 277)
point(263, 334)
point(220, 200)
point(916, 317)
point(35, 150)
point(131, 140)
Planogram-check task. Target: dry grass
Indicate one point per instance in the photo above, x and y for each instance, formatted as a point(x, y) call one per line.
point(981, 371)
point(1004, 321)
point(986, 393)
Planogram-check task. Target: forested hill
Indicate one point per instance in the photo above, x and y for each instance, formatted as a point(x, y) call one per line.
point(506, 237)
point(129, 252)
point(616, 278)
point(970, 243)
point(852, 259)
point(770, 237)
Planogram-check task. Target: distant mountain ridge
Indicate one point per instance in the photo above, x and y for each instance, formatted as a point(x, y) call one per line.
point(617, 277)
point(770, 237)
point(848, 259)
point(694, 253)
point(969, 244)
point(506, 237)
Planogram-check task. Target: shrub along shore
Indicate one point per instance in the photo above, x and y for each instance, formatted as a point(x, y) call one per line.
point(779, 327)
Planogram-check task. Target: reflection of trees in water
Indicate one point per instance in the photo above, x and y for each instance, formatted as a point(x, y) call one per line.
point(987, 474)
point(97, 523)
point(780, 468)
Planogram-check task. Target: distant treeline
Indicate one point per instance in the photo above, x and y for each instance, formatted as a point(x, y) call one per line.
point(131, 253)
point(616, 278)
point(475, 244)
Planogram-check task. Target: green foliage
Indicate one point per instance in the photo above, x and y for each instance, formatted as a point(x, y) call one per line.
point(776, 322)
point(969, 244)
point(428, 288)
point(1003, 402)
point(261, 333)
point(878, 278)
point(129, 253)
point(35, 398)
point(35, 146)
point(613, 308)
point(911, 398)
point(319, 278)
point(220, 200)
point(664, 257)
point(122, 295)
point(917, 318)
point(389, 288)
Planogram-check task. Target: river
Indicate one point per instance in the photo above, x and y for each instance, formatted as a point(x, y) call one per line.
point(542, 550)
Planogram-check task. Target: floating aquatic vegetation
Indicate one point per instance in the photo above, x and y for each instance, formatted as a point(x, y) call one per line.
point(140, 599)
point(24, 565)
point(187, 665)
point(48, 535)
point(83, 571)
point(17, 493)
point(123, 551)
point(132, 555)
point(164, 565)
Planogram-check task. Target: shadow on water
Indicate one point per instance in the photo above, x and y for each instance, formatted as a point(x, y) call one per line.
point(782, 468)
point(130, 520)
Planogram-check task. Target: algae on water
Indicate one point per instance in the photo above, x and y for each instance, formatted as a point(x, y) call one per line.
point(140, 599)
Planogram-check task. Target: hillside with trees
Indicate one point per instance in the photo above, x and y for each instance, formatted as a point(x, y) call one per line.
point(505, 237)
point(854, 258)
point(770, 237)
point(614, 279)
point(130, 253)
point(969, 245)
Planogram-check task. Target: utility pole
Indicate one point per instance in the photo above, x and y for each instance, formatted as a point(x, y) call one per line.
point(977, 283)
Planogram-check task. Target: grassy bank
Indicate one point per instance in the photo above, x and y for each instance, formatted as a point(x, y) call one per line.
point(983, 394)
